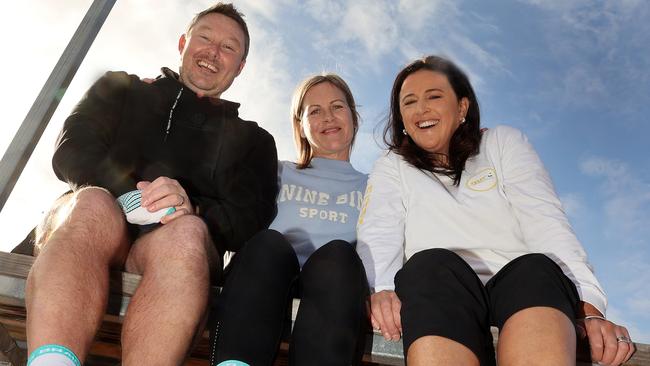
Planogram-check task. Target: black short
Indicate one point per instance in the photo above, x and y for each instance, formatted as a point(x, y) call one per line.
point(136, 231)
point(442, 295)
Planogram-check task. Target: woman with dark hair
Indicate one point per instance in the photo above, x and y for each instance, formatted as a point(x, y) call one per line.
point(308, 251)
point(461, 229)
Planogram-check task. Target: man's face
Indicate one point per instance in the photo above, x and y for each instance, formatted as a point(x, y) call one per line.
point(211, 55)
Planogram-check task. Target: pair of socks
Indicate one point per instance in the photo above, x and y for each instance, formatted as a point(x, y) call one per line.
point(57, 355)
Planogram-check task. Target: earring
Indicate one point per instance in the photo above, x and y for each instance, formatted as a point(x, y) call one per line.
point(462, 120)
point(404, 132)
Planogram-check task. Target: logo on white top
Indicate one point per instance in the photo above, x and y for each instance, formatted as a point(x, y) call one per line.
point(483, 181)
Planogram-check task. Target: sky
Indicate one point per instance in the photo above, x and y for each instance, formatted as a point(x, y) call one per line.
point(574, 75)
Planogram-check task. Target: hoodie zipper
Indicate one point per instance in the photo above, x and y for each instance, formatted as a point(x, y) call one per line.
point(171, 113)
point(213, 352)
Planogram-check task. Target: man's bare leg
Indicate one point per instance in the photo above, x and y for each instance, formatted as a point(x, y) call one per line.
point(67, 287)
point(167, 308)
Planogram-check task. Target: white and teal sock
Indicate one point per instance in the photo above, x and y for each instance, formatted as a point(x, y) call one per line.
point(136, 214)
point(53, 355)
point(232, 363)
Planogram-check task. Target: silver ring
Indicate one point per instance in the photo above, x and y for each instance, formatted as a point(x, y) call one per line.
point(623, 338)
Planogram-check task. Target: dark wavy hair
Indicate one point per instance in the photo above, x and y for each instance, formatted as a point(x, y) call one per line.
point(464, 142)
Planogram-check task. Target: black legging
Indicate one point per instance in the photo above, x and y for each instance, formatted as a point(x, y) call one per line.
point(251, 310)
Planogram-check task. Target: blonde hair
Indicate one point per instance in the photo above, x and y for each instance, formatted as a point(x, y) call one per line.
point(303, 148)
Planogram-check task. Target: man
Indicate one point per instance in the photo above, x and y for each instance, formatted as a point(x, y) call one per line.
point(183, 147)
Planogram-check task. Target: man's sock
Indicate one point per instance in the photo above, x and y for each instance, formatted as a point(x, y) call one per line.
point(136, 214)
point(53, 355)
point(232, 363)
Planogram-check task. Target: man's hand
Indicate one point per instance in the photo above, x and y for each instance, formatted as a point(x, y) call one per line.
point(610, 343)
point(384, 314)
point(165, 192)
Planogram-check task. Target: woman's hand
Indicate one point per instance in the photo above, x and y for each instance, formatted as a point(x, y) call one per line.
point(384, 314)
point(610, 343)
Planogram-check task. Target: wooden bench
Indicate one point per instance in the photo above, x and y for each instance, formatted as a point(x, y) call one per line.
point(106, 350)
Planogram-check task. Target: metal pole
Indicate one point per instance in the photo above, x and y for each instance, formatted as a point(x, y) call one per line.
point(21, 147)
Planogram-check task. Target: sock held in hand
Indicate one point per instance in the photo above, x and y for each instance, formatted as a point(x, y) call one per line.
point(136, 214)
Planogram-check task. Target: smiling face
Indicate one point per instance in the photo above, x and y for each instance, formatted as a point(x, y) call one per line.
point(327, 122)
point(212, 54)
point(430, 110)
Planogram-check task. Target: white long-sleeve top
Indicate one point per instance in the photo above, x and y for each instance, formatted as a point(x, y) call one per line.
point(504, 207)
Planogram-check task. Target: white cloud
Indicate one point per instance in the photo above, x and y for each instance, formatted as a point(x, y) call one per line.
point(406, 30)
point(557, 5)
point(478, 53)
point(573, 204)
point(411, 51)
point(640, 304)
point(536, 127)
point(325, 11)
point(373, 26)
point(602, 48)
point(626, 197)
point(254, 8)
point(597, 166)
point(633, 279)
point(417, 14)
point(582, 84)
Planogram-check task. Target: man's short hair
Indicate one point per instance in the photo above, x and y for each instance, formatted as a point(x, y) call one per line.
point(231, 12)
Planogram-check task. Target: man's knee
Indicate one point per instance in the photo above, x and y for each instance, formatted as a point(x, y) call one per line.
point(186, 239)
point(53, 219)
point(190, 227)
point(88, 213)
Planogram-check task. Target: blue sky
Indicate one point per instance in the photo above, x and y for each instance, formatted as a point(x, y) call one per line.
point(573, 75)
